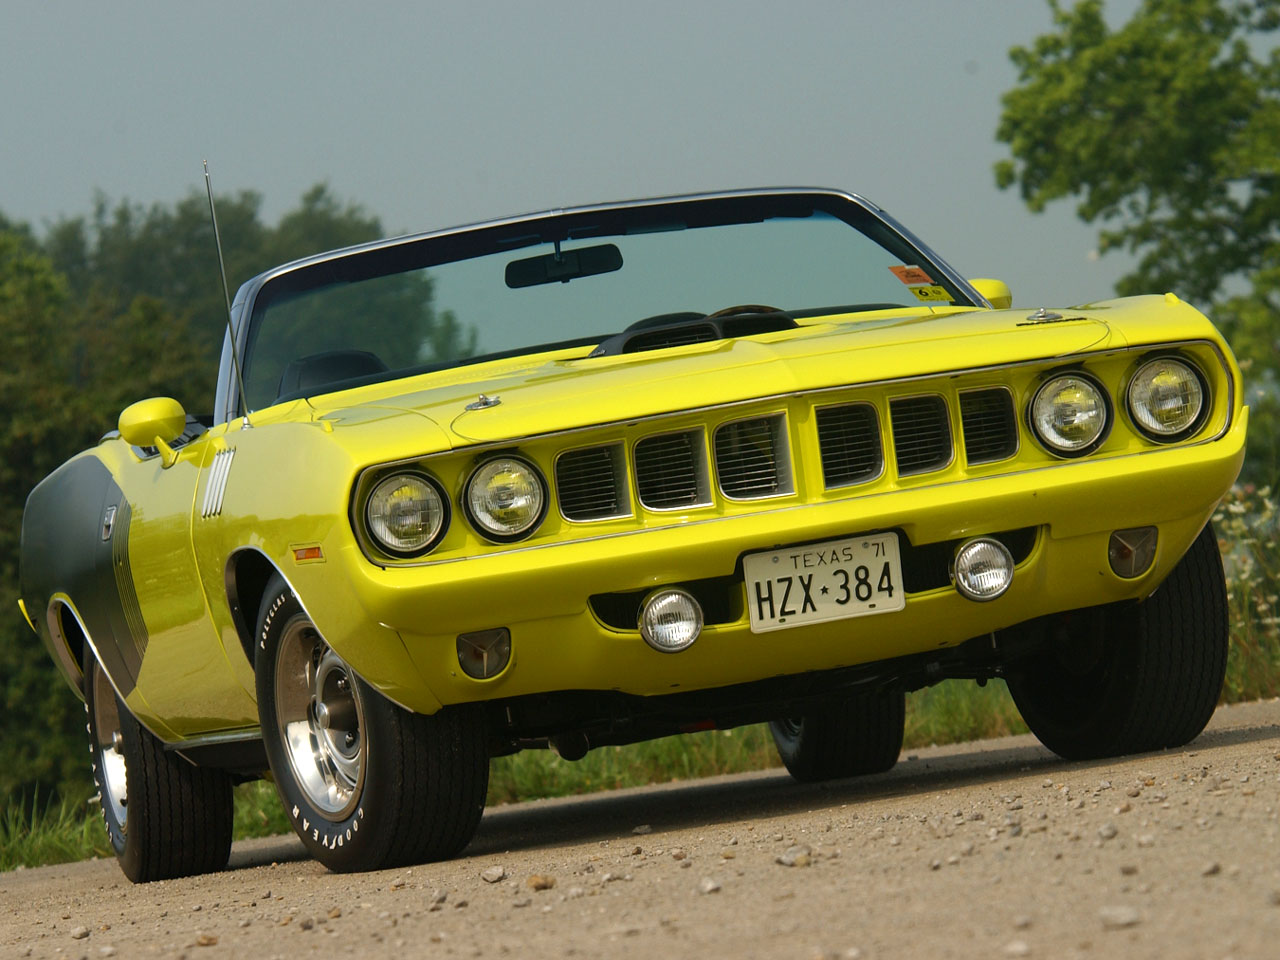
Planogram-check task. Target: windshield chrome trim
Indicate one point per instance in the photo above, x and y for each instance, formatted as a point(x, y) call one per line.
point(227, 405)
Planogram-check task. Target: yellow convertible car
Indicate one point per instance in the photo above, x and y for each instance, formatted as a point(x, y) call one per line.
point(616, 472)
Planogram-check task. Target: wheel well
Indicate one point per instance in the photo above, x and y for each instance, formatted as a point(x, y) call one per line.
point(248, 573)
point(71, 637)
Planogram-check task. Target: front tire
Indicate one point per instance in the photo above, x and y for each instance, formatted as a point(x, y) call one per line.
point(1128, 678)
point(165, 817)
point(366, 784)
point(856, 735)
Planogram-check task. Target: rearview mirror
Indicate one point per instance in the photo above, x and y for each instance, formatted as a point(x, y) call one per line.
point(160, 418)
point(996, 291)
point(564, 265)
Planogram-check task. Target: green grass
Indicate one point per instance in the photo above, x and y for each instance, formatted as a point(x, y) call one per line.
point(1246, 527)
point(55, 832)
point(36, 833)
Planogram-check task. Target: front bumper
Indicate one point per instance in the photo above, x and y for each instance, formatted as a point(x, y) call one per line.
point(540, 593)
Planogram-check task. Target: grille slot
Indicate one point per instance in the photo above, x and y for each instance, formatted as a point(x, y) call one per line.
point(671, 471)
point(753, 459)
point(849, 439)
point(989, 425)
point(921, 434)
point(592, 483)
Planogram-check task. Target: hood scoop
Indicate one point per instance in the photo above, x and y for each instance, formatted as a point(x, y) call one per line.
point(680, 329)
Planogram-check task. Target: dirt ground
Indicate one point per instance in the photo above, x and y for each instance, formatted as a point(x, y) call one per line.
point(993, 849)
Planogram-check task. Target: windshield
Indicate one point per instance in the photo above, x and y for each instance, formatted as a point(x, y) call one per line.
point(573, 281)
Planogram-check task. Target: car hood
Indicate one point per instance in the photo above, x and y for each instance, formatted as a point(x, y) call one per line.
point(547, 393)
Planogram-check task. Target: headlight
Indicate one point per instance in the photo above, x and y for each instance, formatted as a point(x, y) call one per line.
point(406, 514)
point(1069, 415)
point(1166, 398)
point(506, 499)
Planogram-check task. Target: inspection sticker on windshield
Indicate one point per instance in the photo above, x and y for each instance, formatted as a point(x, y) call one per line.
point(931, 294)
point(911, 274)
point(825, 581)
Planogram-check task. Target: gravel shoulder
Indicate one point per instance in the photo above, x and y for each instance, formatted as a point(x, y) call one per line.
point(991, 849)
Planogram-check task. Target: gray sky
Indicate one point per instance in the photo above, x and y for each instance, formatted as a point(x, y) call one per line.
point(431, 114)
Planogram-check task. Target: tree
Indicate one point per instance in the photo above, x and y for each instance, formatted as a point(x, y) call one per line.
point(66, 362)
point(105, 310)
point(1167, 131)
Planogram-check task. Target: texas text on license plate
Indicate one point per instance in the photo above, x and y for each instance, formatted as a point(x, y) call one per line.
point(832, 580)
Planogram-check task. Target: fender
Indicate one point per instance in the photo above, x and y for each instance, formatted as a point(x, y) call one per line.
point(75, 542)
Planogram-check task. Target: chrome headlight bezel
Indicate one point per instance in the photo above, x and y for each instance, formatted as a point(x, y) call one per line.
point(1063, 451)
point(1197, 421)
point(370, 525)
point(491, 533)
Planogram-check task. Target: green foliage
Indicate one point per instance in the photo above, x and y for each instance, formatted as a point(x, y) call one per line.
point(258, 812)
point(168, 254)
point(1166, 128)
point(1167, 131)
point(99, 313)
point(33, 835)
point(955, 711)
point(1246, 528)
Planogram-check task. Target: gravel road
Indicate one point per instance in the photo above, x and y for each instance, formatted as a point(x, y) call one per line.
point(992, 849)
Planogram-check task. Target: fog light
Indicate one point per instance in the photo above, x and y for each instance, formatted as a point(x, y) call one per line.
point(982, 569)
point(670, 620)
point(1132, 552)
point(484, 654)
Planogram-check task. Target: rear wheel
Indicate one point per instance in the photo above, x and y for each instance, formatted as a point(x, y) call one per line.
point(165, 817)
point(858, 734)
point(1127, 678)
point(366, 783)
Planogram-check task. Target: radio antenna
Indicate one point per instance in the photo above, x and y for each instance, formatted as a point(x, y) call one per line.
point(226, 294)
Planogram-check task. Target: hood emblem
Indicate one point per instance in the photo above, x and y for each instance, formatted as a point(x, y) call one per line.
point(1046, 316)
point(483, 402)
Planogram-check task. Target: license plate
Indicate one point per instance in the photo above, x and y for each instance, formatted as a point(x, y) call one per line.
point(854, 577)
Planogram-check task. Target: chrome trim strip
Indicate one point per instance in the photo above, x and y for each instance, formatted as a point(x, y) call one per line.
point(818, 391)
point(246, 735)
point(62, 600)
point(228, 399)
point(215, 488)
point(816, 505)
point(1057, 464)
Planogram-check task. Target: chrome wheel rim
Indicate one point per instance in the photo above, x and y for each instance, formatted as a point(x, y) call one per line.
point(108, 745)
point(320, 719)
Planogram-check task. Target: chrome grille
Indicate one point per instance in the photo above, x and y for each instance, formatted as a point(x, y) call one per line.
point(989, 425)
point(671, 470)
point(921, 434)
point(591, 483)
point(849, 439)
point(752, 458)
